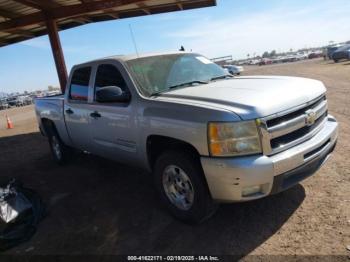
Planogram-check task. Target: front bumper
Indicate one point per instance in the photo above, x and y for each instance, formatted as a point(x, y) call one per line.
point(228, 178)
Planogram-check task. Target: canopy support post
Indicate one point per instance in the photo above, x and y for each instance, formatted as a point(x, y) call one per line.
point(57, 53)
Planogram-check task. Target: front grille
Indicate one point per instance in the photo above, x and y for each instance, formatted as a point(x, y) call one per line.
point(288, 138)
point(279, 120)
point(293, 127)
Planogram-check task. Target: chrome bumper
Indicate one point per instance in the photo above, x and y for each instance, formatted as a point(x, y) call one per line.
point(228, 177)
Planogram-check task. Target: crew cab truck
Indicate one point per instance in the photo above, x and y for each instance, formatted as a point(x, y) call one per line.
point(206, 136)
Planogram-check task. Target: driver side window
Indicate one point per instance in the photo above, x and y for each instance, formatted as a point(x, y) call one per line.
point(109, 75)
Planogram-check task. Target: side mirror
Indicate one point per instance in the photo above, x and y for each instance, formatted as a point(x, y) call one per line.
point(112, 94)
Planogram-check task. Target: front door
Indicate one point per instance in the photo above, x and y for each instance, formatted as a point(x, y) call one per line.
point(113, 123)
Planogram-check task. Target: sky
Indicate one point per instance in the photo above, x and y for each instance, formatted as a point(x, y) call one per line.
point(233, 27)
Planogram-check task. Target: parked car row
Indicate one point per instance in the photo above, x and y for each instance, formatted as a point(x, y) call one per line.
point(335, 52)
point(284, 58)
point(15, 101)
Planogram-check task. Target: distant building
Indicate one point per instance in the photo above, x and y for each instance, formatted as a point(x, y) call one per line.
point(223, 60)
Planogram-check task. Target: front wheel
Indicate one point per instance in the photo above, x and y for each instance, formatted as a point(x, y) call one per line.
point(180, 182)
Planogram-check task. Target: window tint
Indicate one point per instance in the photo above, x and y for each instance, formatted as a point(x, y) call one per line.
point(79, 87)
point(109, 75)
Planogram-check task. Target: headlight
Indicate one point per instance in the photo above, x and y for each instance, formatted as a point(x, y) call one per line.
point(233, 138)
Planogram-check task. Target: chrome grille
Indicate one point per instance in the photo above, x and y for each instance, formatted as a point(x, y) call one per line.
point(287, 129)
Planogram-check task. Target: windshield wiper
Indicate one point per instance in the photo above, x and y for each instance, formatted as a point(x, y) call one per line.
point(221, 77)
point(188, 83)
point(179, 85)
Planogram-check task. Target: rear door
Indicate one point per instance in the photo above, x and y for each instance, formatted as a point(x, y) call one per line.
point(76, 108)
point(113, 124)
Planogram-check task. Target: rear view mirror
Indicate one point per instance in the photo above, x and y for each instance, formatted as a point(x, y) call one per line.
point(112, 94)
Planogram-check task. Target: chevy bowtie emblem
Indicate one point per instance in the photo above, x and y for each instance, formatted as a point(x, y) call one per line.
point(310, 117)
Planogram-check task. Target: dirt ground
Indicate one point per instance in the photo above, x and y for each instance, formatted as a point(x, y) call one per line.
point(97, 206)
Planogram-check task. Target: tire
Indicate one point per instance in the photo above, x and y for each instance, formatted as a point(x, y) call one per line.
point(60, 152)
point(336, 60)
point(198, 204)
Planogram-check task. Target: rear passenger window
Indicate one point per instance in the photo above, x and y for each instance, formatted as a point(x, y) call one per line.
point(79, 87)
point(109, 75)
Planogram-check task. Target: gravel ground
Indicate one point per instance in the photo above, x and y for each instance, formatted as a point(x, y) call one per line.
point(97, 206)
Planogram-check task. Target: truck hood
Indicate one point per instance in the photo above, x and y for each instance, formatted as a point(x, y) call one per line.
point(252, 97)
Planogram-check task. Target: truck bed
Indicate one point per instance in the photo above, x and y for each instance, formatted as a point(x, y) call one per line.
point(52, 108)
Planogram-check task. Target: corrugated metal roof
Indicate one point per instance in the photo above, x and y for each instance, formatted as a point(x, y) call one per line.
point(25, 19)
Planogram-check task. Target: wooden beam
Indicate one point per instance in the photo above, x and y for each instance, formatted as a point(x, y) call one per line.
point(144, 8)
point(29, 3)
point(83, 20)
point(114, 15)
point(39, 4)
point(14, 24)
point(57, 53)
point(64, 12)
point(23, 33)
point(8, 14)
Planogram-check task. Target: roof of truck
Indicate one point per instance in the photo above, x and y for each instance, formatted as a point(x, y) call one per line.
point(124, 58)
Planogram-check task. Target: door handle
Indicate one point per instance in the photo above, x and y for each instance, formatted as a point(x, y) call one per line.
point(95, 114)
point(69, 111)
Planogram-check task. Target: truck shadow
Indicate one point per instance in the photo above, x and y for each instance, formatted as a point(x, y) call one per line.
point(96, 206)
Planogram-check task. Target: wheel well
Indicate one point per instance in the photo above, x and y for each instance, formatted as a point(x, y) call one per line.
point(47, 125)
point(156, 145)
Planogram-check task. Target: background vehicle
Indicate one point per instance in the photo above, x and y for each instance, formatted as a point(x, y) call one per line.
point(52, 93)
point(301, 56)
point(234, 69)
point(13, 101)
point(265, 61)
point(3, 104)
point(341, 53)
point(315, 55)
point(206, 137)
point(331, 49)
point(27, 100)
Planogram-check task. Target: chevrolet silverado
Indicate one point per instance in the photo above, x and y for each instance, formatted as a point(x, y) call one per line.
point(205, 135)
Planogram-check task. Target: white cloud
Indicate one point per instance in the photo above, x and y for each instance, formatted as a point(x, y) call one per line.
point(279, 29)
point(42, 43)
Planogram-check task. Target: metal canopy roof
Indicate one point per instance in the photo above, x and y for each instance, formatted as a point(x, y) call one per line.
point(25, 19)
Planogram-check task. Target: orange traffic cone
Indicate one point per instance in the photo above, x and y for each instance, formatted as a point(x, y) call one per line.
point(9, 123)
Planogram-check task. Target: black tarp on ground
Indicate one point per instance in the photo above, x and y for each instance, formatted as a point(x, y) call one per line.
point(21, 227)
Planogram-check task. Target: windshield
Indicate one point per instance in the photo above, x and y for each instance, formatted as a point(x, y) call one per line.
point(343, 48)
point(158, 74)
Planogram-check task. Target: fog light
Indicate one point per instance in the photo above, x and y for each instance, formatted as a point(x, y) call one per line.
point(251, 190)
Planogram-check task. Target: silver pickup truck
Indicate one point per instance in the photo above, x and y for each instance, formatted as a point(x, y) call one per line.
point(206, 136)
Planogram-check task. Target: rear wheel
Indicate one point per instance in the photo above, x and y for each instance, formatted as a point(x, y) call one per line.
point(60, 152)
point(336, 60)
point(182, 188)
